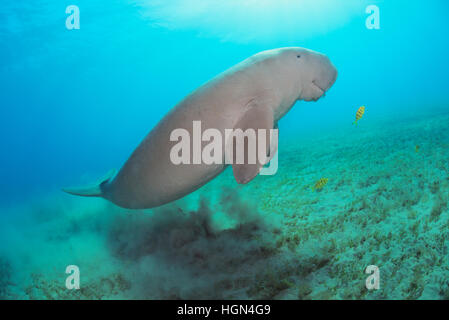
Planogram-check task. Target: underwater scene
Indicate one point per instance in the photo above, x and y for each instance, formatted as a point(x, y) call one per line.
point(99, 198)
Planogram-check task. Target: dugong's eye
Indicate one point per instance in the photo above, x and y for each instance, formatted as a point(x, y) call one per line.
point(298, 56)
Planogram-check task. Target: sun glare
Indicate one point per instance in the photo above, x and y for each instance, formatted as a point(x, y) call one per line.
point(253, 20)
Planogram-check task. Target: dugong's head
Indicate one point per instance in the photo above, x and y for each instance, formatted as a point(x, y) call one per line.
point(312, 72)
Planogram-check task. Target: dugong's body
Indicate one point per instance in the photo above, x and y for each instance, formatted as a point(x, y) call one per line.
point(255, 93)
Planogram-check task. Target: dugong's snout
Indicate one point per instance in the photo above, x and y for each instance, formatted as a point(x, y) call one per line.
point(330, 74)
point(323, 75)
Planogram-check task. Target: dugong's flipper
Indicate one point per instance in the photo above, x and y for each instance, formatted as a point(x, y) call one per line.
point(93, 190)
point(257, 116)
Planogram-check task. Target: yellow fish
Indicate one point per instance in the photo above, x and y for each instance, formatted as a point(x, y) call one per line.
point(359, 114)
point(320, 184)
point(416, 148)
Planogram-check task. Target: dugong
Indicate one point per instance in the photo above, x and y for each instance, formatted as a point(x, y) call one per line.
point(254, 94)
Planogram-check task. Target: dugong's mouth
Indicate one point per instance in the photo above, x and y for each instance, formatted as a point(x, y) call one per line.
point(323, 92)
point(318, 91)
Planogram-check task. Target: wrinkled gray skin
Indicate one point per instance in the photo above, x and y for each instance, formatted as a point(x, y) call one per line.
point(271, 81)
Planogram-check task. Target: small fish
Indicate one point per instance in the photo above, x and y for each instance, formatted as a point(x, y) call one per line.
point(359, 114)
point(320, 184)
point(416, 148)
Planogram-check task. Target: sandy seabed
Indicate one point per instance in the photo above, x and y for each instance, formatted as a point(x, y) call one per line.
point(385, 204)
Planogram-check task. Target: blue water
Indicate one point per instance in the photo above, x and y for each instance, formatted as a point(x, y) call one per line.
point(75, 103)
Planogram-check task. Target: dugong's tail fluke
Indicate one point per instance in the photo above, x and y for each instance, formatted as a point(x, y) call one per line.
point(92, 190)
